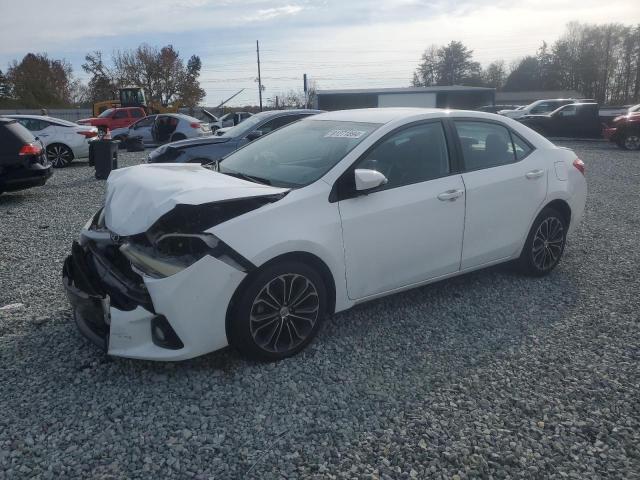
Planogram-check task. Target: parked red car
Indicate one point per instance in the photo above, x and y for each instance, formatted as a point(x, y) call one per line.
point(625, 131)
point(115, 118)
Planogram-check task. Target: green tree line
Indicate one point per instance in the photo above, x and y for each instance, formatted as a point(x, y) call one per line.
point(599, 61)
point(39, 81)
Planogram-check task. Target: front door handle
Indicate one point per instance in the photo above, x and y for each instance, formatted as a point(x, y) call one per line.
point(450, 195)
point(533, 174)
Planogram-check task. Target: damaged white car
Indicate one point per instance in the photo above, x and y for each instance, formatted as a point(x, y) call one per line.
point(331, 211)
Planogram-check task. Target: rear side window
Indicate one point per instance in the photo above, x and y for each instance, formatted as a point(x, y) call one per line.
point(521, 147)
point(485, 145)
point(137, 113)
point(121, 114)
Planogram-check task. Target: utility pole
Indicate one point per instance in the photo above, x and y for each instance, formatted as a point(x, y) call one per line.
point(306, 91)
point(259, 78)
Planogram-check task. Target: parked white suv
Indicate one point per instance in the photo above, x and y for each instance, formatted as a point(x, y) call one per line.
point(539, 107)
point(63, 141)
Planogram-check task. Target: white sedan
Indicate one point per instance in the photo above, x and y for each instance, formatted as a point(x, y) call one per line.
point(314, 218)
point(155, 130)
point(63, 141)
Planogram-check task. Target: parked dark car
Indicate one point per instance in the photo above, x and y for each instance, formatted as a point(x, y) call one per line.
point(23, 163)
point(211, 149)
point(573, 120)
point(625, 131)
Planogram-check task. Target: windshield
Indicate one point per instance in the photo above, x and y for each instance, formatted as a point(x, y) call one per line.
point(243, 128)
point(106, 113)
point(298, 154)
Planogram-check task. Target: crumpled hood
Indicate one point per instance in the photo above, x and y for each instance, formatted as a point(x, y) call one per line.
point(137, 196)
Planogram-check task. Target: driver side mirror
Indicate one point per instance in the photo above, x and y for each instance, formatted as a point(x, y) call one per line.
point(253, 135)
point(367, 179)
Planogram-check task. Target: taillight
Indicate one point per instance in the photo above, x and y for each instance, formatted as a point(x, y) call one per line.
point(88, 133)
point(579, 164)
point(195, 125)
point(30, 149)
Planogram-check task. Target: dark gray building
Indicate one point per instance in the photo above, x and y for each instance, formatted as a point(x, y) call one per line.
point(455, 96)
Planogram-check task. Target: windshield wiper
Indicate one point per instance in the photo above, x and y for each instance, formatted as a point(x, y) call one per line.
point(244, 176)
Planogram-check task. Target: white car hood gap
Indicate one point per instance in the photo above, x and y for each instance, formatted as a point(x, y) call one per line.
point(137, 196)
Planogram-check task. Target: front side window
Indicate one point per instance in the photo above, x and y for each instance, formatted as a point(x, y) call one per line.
point(411, 155)
point(145, 122)
point(120, 114)
point(484, 144)
point(298, 154)
point(568, 111)
point(543, 108)
point(137, 113)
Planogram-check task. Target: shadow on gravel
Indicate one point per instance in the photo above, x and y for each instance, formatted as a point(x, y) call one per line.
point(433, 332)
point(13, 199)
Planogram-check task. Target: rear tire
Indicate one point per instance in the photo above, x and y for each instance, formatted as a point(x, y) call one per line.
point(278, 312)
point(59, 155)
point(545, 244)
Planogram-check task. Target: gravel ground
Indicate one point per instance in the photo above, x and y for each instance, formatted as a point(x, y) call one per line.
point(490, 375)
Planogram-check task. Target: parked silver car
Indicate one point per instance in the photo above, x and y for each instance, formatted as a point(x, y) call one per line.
point(163, 128)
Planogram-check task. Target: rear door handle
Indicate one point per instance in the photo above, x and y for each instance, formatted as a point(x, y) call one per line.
point(450, 195)
point(533, 174)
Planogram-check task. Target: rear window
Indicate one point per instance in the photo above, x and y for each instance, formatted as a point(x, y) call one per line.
point(18, 131)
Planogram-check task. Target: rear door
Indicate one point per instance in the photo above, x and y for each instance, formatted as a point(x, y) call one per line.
point(506, 182)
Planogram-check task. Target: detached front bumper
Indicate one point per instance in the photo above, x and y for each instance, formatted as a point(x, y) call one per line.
point(172, 318)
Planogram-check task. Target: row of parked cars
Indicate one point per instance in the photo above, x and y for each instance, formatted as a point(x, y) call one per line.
point(43, 142)
point(577, 118)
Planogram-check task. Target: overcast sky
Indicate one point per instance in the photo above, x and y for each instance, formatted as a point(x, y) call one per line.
point(340, 44)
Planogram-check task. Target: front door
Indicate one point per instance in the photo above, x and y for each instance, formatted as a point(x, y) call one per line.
point(506, 183)
point(120, 119)
point(409, 230)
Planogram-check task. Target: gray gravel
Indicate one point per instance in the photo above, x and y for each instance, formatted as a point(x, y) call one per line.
point(490, 375)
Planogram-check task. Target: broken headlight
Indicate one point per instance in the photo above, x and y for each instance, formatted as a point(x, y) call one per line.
point(171, 253)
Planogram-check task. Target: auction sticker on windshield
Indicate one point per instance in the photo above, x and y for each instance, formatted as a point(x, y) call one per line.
point(338, 133)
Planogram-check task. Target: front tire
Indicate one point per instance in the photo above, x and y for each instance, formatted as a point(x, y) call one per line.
point(545, 244)
point(279, 311)
point(59, 155)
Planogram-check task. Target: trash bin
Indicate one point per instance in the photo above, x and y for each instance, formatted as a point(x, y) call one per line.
point(104, 154)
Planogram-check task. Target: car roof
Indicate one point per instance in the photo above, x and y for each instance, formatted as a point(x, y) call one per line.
point(4, 119)
point(40, 117)
point(388, 115)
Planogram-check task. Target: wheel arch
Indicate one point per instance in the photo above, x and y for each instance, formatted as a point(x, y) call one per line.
point(559, 204)
point(307, 258)
point(562, 207)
